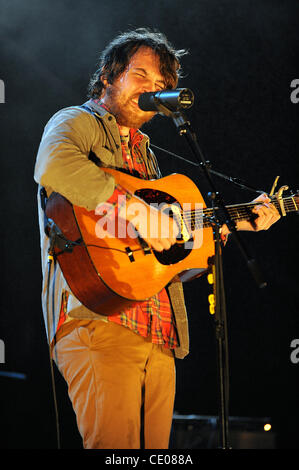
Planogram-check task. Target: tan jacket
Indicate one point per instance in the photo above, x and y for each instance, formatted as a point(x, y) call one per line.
point(63, 165)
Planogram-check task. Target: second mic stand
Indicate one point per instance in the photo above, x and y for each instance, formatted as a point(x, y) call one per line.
point(184, 129)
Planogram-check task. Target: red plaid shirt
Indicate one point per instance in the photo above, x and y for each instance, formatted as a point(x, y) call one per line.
point(152, 317)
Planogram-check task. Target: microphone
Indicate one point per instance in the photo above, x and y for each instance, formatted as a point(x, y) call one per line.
point(173, 100)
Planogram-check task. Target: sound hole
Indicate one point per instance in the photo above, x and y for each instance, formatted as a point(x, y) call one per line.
point(179, 251)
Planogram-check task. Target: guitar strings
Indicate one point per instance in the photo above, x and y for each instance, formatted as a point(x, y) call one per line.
point(237, 212)
point(196, 217)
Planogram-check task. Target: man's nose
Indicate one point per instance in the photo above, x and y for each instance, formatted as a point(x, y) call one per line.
point(148, 86)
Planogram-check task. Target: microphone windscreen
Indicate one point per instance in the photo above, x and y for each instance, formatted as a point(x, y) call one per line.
point(146, 101)
point(173, 100)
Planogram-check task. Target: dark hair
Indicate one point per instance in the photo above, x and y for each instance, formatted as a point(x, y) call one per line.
point(117, 55)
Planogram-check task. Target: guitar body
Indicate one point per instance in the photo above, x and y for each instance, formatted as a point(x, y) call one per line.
point(112, 270)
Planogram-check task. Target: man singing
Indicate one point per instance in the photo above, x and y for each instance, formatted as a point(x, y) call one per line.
point(119, 369)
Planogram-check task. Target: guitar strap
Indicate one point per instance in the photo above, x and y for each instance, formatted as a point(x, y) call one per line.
point(43, 202)
point(53, 232)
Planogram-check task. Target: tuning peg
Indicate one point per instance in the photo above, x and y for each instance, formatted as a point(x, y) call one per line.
point(295, 196)
point(280, 200)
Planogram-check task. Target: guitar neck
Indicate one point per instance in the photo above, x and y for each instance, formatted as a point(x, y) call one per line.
point(243, 211)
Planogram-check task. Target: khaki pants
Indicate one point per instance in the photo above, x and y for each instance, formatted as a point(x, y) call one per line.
point(112, 374)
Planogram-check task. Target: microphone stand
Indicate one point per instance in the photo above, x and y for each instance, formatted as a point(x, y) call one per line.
point(236, 181)
point(184, 129)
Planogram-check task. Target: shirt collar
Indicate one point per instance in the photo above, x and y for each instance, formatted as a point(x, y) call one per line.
point(136, 136)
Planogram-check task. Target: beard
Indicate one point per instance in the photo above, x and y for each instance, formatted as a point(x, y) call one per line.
point(123, 109)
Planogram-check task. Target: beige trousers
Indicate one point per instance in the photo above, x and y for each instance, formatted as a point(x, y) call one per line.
point(116, 381)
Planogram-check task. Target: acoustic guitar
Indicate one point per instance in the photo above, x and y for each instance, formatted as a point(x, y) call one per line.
point(106, 264)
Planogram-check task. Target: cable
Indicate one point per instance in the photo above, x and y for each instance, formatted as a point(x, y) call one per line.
point(50, 260)
point(233, 180)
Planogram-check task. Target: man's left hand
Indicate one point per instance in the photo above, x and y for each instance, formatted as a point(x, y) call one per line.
point(267, 215)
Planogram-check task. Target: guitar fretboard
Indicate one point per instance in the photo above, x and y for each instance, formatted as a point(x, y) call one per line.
point(204, 218)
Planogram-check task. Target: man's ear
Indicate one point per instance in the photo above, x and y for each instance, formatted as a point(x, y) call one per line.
point(104, 80)
point(103, 77)
point(105, 83)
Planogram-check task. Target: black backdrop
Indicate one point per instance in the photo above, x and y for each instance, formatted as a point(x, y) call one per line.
point(243, 58)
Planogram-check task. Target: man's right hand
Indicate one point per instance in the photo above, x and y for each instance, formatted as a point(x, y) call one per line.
point(153, 225)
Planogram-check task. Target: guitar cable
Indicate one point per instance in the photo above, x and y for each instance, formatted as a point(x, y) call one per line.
point(50, 262)
point(51, 231)
point(57, 238)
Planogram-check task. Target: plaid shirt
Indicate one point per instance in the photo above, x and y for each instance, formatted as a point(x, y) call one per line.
point(152, 317)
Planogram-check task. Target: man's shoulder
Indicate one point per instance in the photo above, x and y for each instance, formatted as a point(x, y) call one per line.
point(72, 119)
point(89, 110)
point(70, 113)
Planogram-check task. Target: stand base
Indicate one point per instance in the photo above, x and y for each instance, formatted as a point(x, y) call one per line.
point(201, 432)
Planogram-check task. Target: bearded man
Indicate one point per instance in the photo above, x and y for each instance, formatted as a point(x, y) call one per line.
point(120, 368)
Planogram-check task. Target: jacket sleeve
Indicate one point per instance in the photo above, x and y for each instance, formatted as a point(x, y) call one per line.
point(62, 162)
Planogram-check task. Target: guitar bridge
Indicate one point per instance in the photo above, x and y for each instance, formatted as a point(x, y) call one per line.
point(175, 212)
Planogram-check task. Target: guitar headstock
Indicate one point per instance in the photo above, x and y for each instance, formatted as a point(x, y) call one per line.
point(295, 197)
point(288, 203)
point(292, 201)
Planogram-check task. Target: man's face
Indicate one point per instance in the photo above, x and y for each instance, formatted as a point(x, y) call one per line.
point(141, 75)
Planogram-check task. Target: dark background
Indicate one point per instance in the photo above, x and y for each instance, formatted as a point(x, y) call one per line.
point(243, 57)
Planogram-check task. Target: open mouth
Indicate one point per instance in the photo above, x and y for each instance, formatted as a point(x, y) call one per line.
point(135, 101)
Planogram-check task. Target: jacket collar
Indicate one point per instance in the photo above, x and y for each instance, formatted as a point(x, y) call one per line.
point(109, 119)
